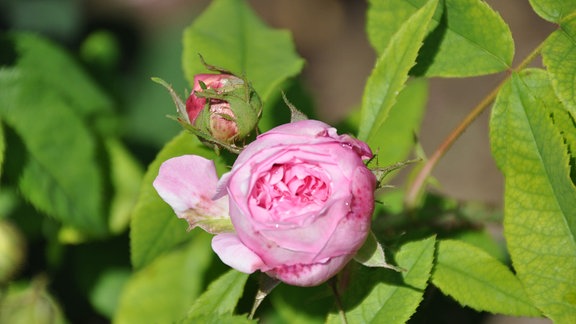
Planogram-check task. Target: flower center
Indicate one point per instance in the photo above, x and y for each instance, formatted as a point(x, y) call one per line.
point(290, 190)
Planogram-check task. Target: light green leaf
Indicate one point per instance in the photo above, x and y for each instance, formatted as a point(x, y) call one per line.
point(163, 291)
point(126, 176)
point(553, 10)
point(221, 296)
point(394, 140)
point(59, 172)
point(230, 36)
point(559, 56)
point(540, 197)
point(468, 38)
point(475, 279)
point(391, 71)
point(375, 295)
point(155, 228)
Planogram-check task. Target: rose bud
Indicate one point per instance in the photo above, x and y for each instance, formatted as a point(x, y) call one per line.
point(224, 106)
point(299, 197)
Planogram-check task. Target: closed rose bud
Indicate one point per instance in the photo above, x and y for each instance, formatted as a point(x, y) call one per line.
point(223, 106)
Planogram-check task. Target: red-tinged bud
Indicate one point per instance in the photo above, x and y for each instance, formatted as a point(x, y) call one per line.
point(224, 106)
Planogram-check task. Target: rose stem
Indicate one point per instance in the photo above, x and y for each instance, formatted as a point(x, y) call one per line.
point(333, 283)
point(416, 186)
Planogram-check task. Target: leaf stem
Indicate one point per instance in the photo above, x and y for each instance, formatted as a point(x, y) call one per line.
point(416, 187)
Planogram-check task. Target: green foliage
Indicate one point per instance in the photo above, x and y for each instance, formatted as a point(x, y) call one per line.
point(559, 55)
point(553, 10)
point(386, 296)
point(163, 291)
point(467, 38)
point(220, 297)
point(540, 196)
point(391, 71)
point(59, 171)
point(476, 279)
point(264, 56)
point(396, 138)
point(155, 228)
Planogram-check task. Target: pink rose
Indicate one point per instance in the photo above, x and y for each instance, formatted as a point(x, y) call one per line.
point(300, 199)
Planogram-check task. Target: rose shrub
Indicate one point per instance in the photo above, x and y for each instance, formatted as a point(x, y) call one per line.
point(299, 197)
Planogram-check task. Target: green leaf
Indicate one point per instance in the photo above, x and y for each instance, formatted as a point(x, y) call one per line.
point(155, 228)
point(2, 147)
point(540, 197)
point(105, 293)
point(126, 176)
point(297, 305)
point(52, 67)
point(391, 71)
point(229, 35)
point(375, 295)
point(475, 279)
point(468, 38)
point(221, 296)
point(394, 141)
point(59, 170)
point(553, 10)
point(559, 56)
point(163, 291)
point(225, 318)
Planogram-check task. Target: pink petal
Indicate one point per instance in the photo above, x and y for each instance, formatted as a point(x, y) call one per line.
point(188, 183)
point(235, 254)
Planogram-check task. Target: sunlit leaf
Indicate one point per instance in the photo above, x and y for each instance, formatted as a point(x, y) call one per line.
point(391, 72)
point(467, 37)
point(540, 196)
point(375, 295)
point(476, 279)
point(221, 296)
point(230, 36)
point(559, 55)
point(553, 10)
point(395, 139)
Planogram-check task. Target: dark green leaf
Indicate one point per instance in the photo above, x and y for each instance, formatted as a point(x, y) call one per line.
point(60, 175)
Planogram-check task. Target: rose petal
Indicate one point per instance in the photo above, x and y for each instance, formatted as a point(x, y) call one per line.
point(307, 275)
point(188, 183)
point(235, 254)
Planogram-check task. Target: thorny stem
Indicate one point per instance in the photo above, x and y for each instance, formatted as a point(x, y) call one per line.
point(416, 187)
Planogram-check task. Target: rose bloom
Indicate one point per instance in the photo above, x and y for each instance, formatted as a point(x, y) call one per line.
point(300, 199)
point(221, 128)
